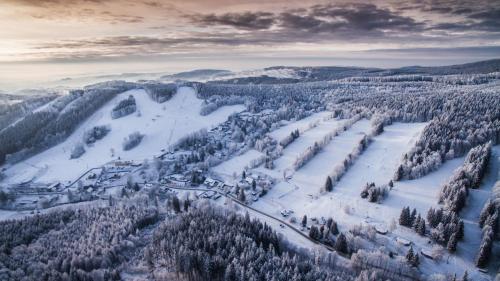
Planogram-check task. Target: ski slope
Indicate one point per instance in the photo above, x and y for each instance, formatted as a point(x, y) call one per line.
point(162, 124)
point(313, 175)
point(377, 163)
point(475, 202)
point(237, 164)
point(305, 140)
point(301, 125)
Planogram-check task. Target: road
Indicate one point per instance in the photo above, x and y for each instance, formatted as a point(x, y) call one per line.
point(283, 222)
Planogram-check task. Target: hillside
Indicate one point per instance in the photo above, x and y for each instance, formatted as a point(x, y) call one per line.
point(328, 173)
point(160, 124)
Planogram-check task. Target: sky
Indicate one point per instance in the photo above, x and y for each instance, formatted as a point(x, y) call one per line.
point(41, 39)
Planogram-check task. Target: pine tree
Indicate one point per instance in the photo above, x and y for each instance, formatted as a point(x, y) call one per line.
point(314, 233)
point(484, 254)
point(421, 227)
point(431, 218)
point(416, 222)
point(304, 221)
point(452, 243)
point(460, 230)
point(416, 260)
point(334, 228)
point(230, 273)
point(404, 218)
point(176, 204)
point(241, 196)
point(328, 184)
point(329, 222)
point(485, 213)
point(410, 255)
point(399, 173)
point(492, 221)
point(341, 244)
point(466, 276)
point(413, 216)
point(321, 231)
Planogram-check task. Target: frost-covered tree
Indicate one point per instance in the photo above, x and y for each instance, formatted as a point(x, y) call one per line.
point(404, 217)
point(124, 107)
point(241, 195)
point(95, 133)
point(77, 151)
point(341, 244)
point(328, 184)
point(132, 141)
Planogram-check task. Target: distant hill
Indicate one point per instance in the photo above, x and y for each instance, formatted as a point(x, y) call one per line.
point(328, 73)
point(198, 74)
point(480, 67)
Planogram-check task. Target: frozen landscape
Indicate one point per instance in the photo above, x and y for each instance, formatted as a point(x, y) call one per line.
point(245, 140)
point(381, 177)
point(162, 125)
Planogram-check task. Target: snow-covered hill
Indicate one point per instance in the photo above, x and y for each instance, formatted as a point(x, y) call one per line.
point(162, 124)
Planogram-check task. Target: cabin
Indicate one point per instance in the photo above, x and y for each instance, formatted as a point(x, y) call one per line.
point(403, 241)
point(381, 230)
point(284, 213)
point(122, 163)
point(211, 182)
point(483, 270)
point(208, 194)
point(427, 254)
point(54, 186)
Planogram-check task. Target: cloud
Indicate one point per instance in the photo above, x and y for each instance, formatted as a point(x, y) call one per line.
point(473, 15)
point(52, 3)
point(245, 20)
point(317, 19)
point(158, 27)
point(355, 17)
point(120, 18)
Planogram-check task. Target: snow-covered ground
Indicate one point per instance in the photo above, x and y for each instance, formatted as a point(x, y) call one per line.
point(236, 165)
point(378, 164)
point(16, 215)
point(302, 125)
point(375, 164)
point(162, 125)
point(313, 175)
point(271, 72)
point(305, 140)
point(470, 215)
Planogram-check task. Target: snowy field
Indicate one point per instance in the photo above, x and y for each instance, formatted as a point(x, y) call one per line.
point(313, 175)
point(305, 140)
point(302, 125)
point(375, 164)
point(236, 165)
point(162, 124)
point(378, 164)
point(475, 203)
